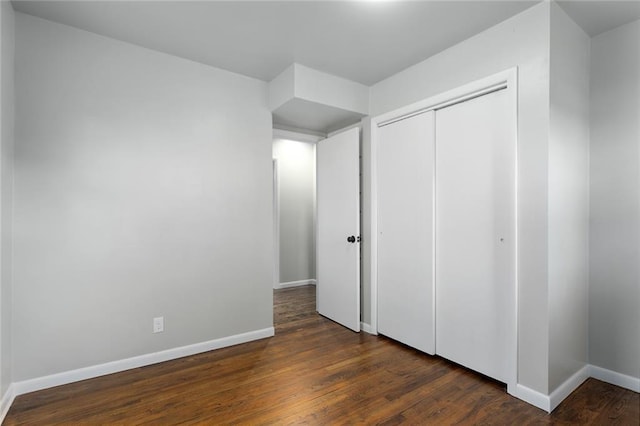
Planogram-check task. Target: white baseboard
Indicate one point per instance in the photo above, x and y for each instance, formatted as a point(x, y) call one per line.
point(618, 379)
point(568, 386)
point(367, 328)
point(545, 402)
point(548, 403)
point(535, 398)
point(294, 284)
point(7, 400)
point(63, 378)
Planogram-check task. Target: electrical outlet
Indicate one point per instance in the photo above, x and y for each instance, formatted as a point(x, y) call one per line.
point(158, 324)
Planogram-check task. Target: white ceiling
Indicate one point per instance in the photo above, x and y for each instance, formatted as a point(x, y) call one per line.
point(363, 41)
point(596, 17)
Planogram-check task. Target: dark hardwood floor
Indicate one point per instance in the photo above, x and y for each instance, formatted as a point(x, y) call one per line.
point(312, 372)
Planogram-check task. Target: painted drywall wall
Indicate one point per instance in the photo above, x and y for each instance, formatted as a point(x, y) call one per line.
point(568, 198)
point(142, 189)
point(297, 195)
point(311, 100)
point(614, 288)
point(366, 201)
point(298, 81)
point(327, 89)
point(282, 88)
point(7, 31)
point(521, 41)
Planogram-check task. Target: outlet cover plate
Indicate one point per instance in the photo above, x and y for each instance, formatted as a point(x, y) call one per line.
point(158, 324)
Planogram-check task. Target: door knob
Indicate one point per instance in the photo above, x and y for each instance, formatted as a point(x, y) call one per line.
point(351, 239)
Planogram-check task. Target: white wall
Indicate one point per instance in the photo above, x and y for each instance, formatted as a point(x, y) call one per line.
point(521, 41)
point(142, 189)
point(7, 23)
point(327, 89)
point(366, 223)
point(568, 198)
point(614, 292)
point(296, 174)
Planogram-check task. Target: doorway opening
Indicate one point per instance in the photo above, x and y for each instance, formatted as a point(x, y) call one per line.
point(317, 220)
point(294, 216)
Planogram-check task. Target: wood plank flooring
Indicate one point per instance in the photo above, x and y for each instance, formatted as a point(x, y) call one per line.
point(312, 372)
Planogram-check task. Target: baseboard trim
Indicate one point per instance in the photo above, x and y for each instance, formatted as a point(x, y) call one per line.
point(545, 402)
point(294, 284)
point(530, 396)
point(367, 328)
point(549, 403)
point(614, 378)
point(568, 386)
point(7, 400)
point(93, 371)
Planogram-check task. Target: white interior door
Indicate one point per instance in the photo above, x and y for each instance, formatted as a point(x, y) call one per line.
point(338, 228)
point(475, 234)
point(405, 231)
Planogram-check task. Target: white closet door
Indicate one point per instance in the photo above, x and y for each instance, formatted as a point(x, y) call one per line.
point(475, 234)
point(405, 231)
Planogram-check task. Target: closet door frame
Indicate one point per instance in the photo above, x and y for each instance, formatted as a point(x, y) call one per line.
point(505, 80)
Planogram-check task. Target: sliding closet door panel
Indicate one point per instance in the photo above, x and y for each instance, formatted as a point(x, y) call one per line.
point(475, 233)
point(405, 231)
